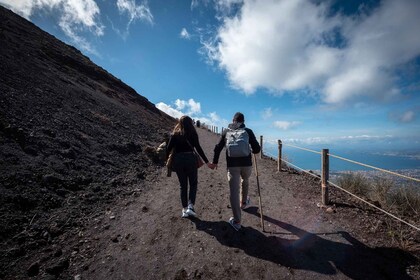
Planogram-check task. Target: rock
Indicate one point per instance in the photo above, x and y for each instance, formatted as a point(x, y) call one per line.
point(115, 239)
point(58, 268)
point(33, 269)
point(330, 210)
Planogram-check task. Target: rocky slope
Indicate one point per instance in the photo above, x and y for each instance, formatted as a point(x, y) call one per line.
point(72, 138)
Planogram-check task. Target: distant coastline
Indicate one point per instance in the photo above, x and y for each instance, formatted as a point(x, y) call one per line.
point(406, 163)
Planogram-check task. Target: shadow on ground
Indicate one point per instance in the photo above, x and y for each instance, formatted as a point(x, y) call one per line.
point(308, 251)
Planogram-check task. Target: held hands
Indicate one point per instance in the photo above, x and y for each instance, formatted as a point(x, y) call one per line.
point(212, 165)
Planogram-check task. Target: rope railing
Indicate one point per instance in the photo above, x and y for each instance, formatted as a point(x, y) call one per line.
point(304, 149)
point(358, 163)
point(325, 182)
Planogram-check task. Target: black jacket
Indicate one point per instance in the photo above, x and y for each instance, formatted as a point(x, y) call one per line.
point(179, 142)
point(237, 161)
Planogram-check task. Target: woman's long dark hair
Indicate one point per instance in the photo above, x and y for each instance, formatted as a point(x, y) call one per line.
point(185, 127)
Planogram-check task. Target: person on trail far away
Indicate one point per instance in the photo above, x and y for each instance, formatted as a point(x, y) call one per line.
point(237, 139)
point(183, 140)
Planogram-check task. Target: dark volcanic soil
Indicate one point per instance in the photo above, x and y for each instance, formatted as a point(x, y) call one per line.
point(83, 197)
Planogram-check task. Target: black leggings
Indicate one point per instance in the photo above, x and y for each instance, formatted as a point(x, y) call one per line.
point(185, 166)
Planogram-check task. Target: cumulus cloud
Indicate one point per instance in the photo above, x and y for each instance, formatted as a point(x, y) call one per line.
point(191, 108)
point(285, 125)
point(184, 34)
point(75, 17)
point(181, 107)
point(191, 105)
point(169, 110)
point(290, 45)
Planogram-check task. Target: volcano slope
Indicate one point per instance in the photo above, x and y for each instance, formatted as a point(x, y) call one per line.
point(72, 139)
point(82, 198)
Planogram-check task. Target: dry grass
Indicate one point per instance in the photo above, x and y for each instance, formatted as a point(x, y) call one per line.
point(354, 183)
point(401, 200)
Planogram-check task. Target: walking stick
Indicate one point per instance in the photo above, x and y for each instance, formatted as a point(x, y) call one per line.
point(259, 193)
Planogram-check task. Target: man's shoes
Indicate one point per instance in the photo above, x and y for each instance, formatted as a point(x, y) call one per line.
point(190, 210)
point(184, 213)
point(246, 204)
point(234, 224)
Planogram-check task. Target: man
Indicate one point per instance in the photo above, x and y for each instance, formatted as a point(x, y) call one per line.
point(237, 139)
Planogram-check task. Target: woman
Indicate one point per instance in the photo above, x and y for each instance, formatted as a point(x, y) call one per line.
point(184, 139)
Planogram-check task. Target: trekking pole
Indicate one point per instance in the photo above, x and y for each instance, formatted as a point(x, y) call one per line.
point(259, 193)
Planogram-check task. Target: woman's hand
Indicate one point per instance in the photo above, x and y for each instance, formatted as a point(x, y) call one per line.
point(212, 165)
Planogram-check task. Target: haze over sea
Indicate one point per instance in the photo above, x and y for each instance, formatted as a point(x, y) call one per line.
point(403, 162)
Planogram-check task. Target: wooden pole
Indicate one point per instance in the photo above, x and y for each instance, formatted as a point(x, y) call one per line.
point(279, 157)
point(261, 144)
point(325, 176)
point(259, 193)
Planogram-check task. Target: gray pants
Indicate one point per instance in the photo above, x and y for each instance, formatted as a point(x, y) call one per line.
point(238, 178)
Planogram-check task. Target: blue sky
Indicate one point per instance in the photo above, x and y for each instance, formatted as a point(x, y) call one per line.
point(318, 74)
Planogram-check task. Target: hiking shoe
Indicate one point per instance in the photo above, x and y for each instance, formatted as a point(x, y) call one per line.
point(190, 211)
point(246, 204)
point(234, 224)
point(184, 213)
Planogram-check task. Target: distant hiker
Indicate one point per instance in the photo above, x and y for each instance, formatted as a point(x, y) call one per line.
point(237, 139)
point(183, 140)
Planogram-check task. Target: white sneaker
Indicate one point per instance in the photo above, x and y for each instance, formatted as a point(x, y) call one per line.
point(190, 211)
point(246, 204)
point(234, 224)
point(184, 213)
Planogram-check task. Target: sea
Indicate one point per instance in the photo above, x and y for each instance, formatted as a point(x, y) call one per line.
point(404, 162)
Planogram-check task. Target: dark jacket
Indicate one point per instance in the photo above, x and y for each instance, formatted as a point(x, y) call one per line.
point(237, 161)
point(179, 142)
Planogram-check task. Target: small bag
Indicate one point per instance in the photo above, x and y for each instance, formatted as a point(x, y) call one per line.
point(169, 163)
point(200, 162)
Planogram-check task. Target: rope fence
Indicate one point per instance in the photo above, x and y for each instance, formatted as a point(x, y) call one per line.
point(325, 182)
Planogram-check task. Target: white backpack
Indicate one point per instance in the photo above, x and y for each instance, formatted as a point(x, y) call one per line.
point(237, 143)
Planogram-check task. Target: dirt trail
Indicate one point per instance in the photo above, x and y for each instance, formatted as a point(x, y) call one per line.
point(144, 237)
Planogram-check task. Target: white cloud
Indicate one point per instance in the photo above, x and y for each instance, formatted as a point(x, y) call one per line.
point(182, 107)
point(169, 110)
point(21, 7)
point(75, 16)
point(184, 34)
point(338, 140)
point(134, 12)
point(267, 113)
point(285, 125)
point(180, 104)
point(193, 109)
point(79, 16)
point(292, 45)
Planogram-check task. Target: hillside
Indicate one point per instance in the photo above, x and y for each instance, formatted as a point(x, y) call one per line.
point(72, 137)
point(82, 197)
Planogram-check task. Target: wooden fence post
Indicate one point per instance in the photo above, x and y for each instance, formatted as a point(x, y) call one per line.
point(325, 176)
point(279, 157)
point(261, 144)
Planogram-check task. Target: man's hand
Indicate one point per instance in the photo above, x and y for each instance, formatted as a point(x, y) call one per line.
point(212, 165)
